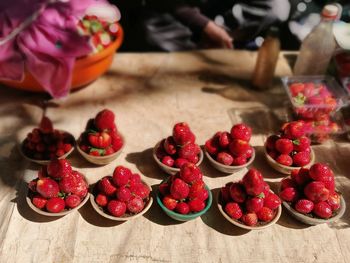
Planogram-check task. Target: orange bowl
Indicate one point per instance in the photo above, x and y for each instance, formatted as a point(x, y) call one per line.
point(86, 69)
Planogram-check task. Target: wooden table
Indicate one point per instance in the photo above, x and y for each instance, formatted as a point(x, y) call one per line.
point(149, 93)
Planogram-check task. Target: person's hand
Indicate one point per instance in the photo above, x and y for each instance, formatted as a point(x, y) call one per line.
point(218, 35)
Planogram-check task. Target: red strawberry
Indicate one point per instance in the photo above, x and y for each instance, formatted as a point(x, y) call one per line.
point(106, 187)
point(179, 162)
point(168, 161)
point(47, 187)
point(170, 145)
point(304, 206)
point(169, 202)
point(59, 153)
point(253, 182)
point(117, 141)
point(160, 152)
point(121, 175)
point(301, 159)
point(289, 194)
point(329, 183)
point(254, 204)
point(241, 131)
point(295, 130)
point(239, 147)
point(301, 144)
point(265, 214)
point(74, 183)
point(59, 168)
point(140, 190)
point(284, 159)
point(101, 200)
point(225, 194)
point(135, 205)
point(249, 152)
point(224, 158)
point(237, 193)
point(123, 194)
point(211, 146)
point(240, 160)
point(271, 142)
point(116, 208)
point(67, 147)
point(301, 176)
point(284, 146)
point(233, 210)
point(182, 134)
point(266, 190)
point(334, 201)
point(323, 210)
point(296, 88)
point(100, 140)
point(32, 185)
point(250, 219)
point(320, 171)
point(287, 182)
point(104, 120)
point(164, 189)
point(55, 205)
point(273, 154)
point(109, 150)
point(179, 189)
point(225, 139)
point(189, 172)
point(188, 151)
point(182, 208)
point(196, 189)
point(72, 201)
point(196, 205)
point(316, 192)
point(46, 125)
point(134, 179)
point(39, 201)
point(272, 201)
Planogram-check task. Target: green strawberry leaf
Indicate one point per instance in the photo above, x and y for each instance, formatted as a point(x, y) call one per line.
point(296, 142)
point(261, 195)
point(91, 131)
point(299, 99)
point(61, 194)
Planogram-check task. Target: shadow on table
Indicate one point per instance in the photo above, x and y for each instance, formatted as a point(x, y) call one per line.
point(261, 164)
point(78, 161)
point(288, 221)
point(209, 171)
point(156, 215)
point(145, 163)
point(215, 220)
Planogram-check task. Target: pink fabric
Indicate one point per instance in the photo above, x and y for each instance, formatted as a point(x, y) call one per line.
point(48, 47)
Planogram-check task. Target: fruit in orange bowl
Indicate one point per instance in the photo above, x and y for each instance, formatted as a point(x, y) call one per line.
point(310, 195)
point(58, 190)
point(230, 152)
point(249, 204)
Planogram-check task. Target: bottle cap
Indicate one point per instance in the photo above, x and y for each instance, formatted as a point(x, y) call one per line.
point(330, 11)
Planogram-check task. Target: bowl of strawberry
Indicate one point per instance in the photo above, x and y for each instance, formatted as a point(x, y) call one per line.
point(58, 190)
point(290, 150)
point(45, 143)
point(122, 196)
point(101, 142)
point(230, 152)
point(309, 195)
point(184, 196)
point(172, 152)
point(249, 204)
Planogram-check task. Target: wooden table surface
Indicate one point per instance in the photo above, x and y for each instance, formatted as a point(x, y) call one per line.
point(149, 93)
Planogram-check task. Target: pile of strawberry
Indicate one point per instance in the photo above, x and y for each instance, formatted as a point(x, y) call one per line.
point(122, 194)
point(101, 135)
point(250, 201)
point(185, 192)
point(231, 148)
point(102, 33)
point(46, 143)
point(58, 187)
point(291, 147)
point(179, 148)
point(311, 192)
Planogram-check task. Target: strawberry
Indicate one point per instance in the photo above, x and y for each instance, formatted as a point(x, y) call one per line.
point(329, 183)
point(32, 185)
point(196, 189)
point(116, 208)
point(301, 144)
point(224, 140)
point(272, 201)
point(121, 175)
point(59, 168)
point(240, 160)
point(104, 120)
point(237, 193)
point(182, 208)
point(96, 152)
point(295, 130)
point(301, 176)
point(59, 153)
point(169, 145)
point(168, 161)
point(289, 194)
point(101, 200)
point(301, 159)
point(249, 152)
point(265, 214)
point(254, 204)
point(323, 210)
point(271, 142)
point(304, 206)
point(179, 189)
point(100, 140)
point(284, 159)
point(334, 201)
point(169, 202)
point(320, 172)
point(72, 201)
point(241, 132)
point(46, 125)
point(316, 192)
point(47, 187)
point(123, 194)
point(211, 146)
point(253, 182)
point(109, 150)
point(284, 146)
point(160, 152)
point(117, 141)
point(106, 187)
point(196, 205)
point(266, 190)
point(74, 183)
point(190, 172)
point(179, 162)
point(250, 219)
point(134, 179)
point(296, 88)
point(238, 147)
point(140, 190)
point(135, 205)
point(225, 193)
point(55, 205)
point(233, 210)
point(273, 154)
point(188, 151)
point(164, 189)
point(287, 182)
point(39, 201)
point(182, 134)
point(224, 158)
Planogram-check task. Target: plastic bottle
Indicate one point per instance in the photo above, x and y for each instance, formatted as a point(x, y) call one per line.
point(267, 59)
point(318, 47)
